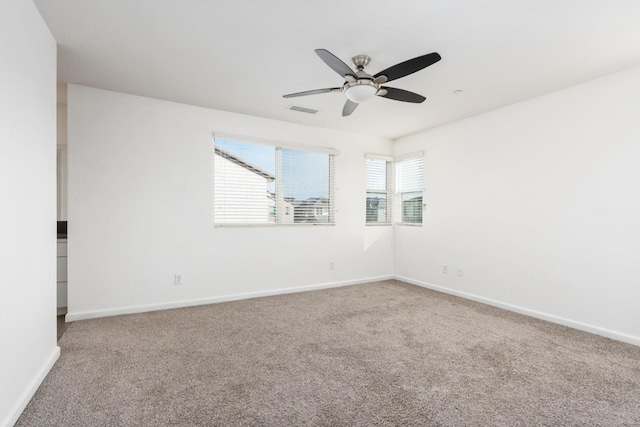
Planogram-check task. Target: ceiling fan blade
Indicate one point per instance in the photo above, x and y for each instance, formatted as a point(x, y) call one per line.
point(409, 67)
point(335, 63)
point(312, 92)
point(349, 107)
point(400, 95)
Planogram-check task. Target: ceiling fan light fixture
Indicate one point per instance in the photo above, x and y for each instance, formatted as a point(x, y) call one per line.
point(360, 92)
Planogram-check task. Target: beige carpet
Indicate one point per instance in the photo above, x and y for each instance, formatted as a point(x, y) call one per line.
point(384, 353)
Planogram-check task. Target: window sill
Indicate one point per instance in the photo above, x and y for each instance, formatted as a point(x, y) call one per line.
point(272, 225)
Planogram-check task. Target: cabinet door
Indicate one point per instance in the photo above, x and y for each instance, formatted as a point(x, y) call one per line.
point(62, 269)
point(62, 294)
point(62, 249)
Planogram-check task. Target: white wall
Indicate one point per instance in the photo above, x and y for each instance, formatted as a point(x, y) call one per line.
point(28, 207)
point(539, 203)
point(140, 210)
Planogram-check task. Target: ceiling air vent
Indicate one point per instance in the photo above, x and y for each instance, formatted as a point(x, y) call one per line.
point(302, 109)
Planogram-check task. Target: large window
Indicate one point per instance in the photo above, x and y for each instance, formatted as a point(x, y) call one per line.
point(378, 195)
point(410, 188)
point(262, 184)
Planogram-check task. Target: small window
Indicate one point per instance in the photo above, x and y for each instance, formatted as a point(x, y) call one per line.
point(262, 184)
point(378, 194)
point(410, 189)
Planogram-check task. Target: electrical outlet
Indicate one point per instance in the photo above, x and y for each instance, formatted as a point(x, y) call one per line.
point(460, 271)
point(332, 265)
point(444, 269)
point(177, 279)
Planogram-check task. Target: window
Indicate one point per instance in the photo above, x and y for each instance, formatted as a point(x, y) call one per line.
point(409, 185)
point(378, 197)
point(263, 183)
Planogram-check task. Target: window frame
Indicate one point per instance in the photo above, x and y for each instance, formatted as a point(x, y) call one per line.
point(278, 145)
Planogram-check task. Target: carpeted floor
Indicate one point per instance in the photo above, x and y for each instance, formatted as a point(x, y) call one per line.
point(384, 353)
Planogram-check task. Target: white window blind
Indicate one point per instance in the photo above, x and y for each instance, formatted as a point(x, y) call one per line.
point(261, 184)
point(378, 194)
point(410, 188)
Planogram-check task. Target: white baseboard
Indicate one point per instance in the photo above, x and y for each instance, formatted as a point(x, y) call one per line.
point(619, 336)
point(26, 396)
point(83, 315)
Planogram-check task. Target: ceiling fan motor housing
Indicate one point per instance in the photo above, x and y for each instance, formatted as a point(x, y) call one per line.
point(363, 88)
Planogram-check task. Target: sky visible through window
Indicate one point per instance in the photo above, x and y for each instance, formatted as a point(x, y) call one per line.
point(305, 174)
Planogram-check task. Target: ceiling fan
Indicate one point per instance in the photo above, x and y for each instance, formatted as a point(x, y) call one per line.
point(360, 86)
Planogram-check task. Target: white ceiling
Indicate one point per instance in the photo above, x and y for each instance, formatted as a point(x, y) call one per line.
point(243, 55)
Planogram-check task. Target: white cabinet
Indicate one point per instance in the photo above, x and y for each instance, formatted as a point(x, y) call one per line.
point(62, 273)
